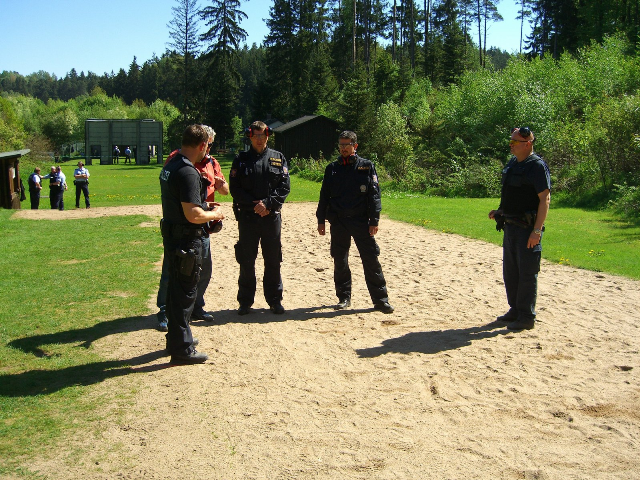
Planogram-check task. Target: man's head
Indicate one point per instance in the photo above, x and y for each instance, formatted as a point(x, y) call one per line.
point(195, 141)
point(521, 142)
point(259, 136)
point(347, 143)
point(80, 164)
point(37, 169)
point(53, 168)
point(212, 136)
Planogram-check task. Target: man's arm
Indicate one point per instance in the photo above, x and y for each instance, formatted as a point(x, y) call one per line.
point(220, 184)
point(196, 214)
point(323, 202)
point(374, 204)
point(279, 194)
point(543, 210)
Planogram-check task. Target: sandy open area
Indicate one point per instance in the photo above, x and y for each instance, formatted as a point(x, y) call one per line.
point(436, 390)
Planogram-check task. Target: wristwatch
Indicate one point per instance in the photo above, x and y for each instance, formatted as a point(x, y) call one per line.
point(537, 231)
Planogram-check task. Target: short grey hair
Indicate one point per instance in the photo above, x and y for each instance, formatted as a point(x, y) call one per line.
point(210, 131)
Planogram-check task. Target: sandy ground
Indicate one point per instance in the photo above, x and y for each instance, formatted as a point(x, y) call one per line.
point(436, 390)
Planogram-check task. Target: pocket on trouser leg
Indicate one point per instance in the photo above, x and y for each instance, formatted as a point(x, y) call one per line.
point(531, 263)
point(238, 252)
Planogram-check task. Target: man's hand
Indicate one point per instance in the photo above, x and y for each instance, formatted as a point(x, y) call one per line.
point(534, 239)
point(493, 213)
point(260, 208)
point(373, 230)
point(321, 228)
point(217, 210)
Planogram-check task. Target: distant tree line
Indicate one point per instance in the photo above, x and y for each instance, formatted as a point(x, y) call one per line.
point(428, 101)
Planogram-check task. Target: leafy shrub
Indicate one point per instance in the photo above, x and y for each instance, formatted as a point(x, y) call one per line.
point(309, 168)
point(628, 202)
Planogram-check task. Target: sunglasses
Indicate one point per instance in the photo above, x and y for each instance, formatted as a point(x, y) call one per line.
point(523, 131)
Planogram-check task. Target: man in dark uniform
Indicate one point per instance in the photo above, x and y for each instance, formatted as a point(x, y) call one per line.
point(55, 188)
point(184, 213)
point(524, 204)
point(350, 200)
point(259, 185)
point(35, 185)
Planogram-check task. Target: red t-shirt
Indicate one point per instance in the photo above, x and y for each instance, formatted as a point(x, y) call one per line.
point(210, 168)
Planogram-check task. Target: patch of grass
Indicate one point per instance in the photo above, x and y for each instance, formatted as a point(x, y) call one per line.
point(594, 240)
point(68, 284)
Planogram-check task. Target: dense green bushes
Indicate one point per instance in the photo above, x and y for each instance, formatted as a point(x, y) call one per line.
point(584, 110)
point(44, 127)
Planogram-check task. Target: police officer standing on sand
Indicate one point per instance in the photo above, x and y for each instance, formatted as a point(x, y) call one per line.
point(350, 200)
point(259, 185)
point(184, 214)
point(524, 204)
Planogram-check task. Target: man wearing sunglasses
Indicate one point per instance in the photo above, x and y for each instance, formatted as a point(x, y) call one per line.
point(350, 200)
point(524, 204)
point(212, 181)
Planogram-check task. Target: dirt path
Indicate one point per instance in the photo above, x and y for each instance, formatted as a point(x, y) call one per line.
point(434, 390)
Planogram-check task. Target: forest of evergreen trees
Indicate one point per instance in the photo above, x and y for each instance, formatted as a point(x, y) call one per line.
point(430, 104)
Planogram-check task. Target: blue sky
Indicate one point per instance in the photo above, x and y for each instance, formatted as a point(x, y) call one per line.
point(104, 36)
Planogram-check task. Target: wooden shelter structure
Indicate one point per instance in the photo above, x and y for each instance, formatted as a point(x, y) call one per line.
point(10, 178)
point(308, 136)
point(144, 137)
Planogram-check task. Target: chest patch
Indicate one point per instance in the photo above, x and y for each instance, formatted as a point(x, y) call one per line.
point(363, 188)
point(275, 162)
point(363, 168)
point(233, 172)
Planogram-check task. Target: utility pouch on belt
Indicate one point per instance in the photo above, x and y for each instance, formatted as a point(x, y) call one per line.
point(187, 262)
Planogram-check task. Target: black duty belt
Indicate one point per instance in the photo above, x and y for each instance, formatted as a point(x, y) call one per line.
point(178, 230)
point(249, 209)
point(526, 220)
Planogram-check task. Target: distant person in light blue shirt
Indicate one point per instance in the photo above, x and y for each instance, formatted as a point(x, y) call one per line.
point(63, 186)
point(81, 181)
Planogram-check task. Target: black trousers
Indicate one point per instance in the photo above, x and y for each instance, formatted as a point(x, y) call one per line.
point(253, 230)
point(84, 189)
point(342, 230)
point(181, 291)
point(34, 196)
point(520, 267)
point(55, 197)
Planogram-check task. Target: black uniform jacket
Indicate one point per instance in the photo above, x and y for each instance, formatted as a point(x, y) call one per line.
point(350, 190)
point(259, 176)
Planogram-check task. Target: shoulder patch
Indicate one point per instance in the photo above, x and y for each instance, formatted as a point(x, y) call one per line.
point(233, 172)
